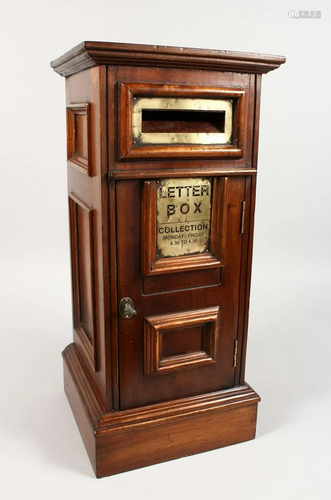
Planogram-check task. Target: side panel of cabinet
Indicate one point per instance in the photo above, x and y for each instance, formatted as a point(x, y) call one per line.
point(88, 209)
point(247, 253)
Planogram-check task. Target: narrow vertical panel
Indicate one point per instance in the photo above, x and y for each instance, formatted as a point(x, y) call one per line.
point(81, 230)
point(148, 226)
point(250, 194)
point(219, 219)
point(85, 275)
point(82, 136)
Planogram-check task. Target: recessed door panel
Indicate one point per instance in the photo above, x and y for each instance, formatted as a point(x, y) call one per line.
point(181, 341)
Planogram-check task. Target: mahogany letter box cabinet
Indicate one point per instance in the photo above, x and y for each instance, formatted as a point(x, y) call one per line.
point(162, 157)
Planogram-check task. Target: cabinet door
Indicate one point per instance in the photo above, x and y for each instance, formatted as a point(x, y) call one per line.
point(178, 252)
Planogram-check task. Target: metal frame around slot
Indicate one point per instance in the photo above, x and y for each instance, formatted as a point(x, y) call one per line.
point(167, 103)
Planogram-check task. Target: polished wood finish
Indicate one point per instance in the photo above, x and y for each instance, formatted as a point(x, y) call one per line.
point(167, 172)
point(129, 91)
point(137, 389)
point(79, 152)
point(89, 54)
point(180, 340)
point(83, 300)
point(121, 441)
point(169, 381)
point(89, 219)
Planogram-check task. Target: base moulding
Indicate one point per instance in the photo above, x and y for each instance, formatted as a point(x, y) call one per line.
point(125, 440)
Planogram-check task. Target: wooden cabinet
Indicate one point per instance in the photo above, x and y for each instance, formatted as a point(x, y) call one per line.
point(162, 162)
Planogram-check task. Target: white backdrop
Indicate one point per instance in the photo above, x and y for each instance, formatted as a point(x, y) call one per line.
point(41, 453)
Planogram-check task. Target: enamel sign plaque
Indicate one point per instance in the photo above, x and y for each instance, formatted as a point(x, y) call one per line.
point(183, 216)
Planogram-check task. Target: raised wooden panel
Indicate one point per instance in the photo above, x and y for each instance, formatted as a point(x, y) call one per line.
point(189, 340)
point(213, 257)
point(81, 233)
point(129, 149)
point(79, 152)
point(180, 341)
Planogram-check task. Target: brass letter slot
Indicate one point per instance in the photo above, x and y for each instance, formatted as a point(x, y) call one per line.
point(181, 121)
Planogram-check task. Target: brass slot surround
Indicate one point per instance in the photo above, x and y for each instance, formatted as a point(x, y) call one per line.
point(187, 104)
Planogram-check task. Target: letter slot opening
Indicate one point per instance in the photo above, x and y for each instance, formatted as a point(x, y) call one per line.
point(158, 120)
point(182, 121)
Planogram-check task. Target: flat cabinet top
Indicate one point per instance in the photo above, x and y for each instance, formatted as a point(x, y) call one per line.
point(89, 54)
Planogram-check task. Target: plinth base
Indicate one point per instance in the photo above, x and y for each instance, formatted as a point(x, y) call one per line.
point(125, 440)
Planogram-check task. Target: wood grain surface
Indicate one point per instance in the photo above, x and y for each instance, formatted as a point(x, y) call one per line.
point(169, 381)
